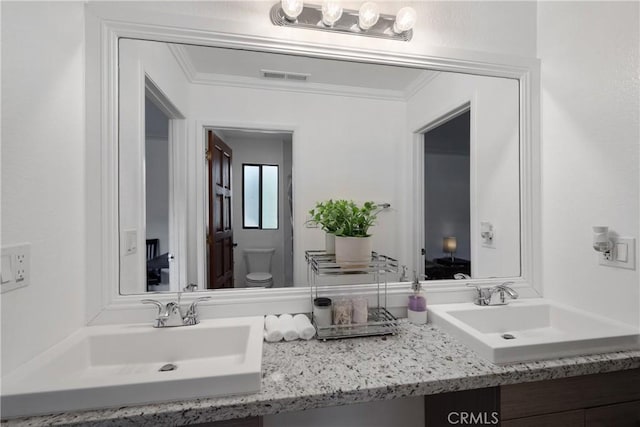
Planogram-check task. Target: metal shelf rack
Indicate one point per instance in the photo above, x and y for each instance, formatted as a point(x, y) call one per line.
point(379, 321)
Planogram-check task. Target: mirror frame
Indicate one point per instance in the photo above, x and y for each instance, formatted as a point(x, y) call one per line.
point(105, 305)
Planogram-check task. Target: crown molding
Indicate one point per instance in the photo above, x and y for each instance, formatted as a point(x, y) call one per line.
point(183, 60)
point(420, 83)
point(315, 88)
point(212, 79)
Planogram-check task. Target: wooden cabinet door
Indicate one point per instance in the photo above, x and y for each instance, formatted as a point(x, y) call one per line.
point(565, 394)
point(560, 419)
point(619, 415)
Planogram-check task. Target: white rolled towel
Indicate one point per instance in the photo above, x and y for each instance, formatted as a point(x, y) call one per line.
point(288, 328)
point(304, 327)
point(272, 332)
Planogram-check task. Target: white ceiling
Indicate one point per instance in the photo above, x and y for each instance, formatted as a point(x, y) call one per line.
point(243, 63)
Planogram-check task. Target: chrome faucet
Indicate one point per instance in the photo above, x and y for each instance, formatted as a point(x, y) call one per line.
point(494, 295)
point(171, 314)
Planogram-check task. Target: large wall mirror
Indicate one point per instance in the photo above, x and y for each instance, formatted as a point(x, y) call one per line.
point(222, 153)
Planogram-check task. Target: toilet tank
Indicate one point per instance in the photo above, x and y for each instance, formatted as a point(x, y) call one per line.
point(258, 259)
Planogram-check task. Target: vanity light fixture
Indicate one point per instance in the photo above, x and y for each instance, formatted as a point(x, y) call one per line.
point(330, 16)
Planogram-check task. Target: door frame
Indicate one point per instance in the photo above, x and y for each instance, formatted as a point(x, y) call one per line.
point(198, 191)
point(177, 182)
point(451, 111)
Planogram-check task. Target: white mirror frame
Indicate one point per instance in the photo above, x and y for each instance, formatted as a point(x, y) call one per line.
point(105, 304)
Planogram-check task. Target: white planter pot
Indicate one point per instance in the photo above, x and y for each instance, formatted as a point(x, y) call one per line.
point(330, 243)
point(353, 251)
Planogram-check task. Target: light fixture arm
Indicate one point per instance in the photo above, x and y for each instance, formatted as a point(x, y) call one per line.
point(311, 18)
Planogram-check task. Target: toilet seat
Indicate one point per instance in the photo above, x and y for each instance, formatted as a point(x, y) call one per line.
point(259, 277)
point(259, 280)
point(258, 266)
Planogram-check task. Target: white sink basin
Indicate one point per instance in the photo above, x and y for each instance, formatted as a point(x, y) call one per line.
point(103, 366)
point(541, 329)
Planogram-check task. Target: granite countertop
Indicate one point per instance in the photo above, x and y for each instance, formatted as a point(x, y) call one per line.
point(300, 375)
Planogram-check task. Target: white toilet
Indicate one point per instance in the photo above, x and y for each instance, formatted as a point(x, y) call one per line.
point(258, 263)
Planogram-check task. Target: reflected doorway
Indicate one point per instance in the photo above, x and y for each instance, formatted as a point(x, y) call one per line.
point(447, 199)
point(260, 225)
point(157, 207)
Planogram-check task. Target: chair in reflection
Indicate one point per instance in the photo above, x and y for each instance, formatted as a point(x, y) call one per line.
point(446, 268)
point(153, 274)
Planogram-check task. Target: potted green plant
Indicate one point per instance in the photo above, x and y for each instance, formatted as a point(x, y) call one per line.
point(327, 216)
point(353, 241)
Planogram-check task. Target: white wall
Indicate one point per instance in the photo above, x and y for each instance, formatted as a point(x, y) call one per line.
point(343, 148)
point(590, 55)
point(499, 27)
point(43, 192)
point(494, 145)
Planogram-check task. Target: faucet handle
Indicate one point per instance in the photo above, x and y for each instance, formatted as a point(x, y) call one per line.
point(191, 318)
point(476, 287)
point(506, 288)
point(154, 302)
point(481, 294)
point(160, 318)
point(195, 302)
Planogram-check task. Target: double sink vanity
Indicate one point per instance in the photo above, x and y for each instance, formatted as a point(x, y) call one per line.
point(220, 369)
point(375, 146)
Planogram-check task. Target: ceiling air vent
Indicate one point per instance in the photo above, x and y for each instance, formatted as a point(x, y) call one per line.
point(284, 75)
point(299, 77)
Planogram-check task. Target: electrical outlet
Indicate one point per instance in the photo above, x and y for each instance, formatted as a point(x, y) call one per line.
point(16, 261)
point(21, 267)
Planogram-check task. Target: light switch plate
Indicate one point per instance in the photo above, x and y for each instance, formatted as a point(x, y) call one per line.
point(130, 242)
point(487, 235)
point(16, 267)
point(623, 254)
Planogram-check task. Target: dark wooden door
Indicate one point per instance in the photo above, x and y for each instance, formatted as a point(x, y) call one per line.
point(220, 231)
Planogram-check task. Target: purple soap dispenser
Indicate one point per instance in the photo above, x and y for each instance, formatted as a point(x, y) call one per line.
point(417, 308)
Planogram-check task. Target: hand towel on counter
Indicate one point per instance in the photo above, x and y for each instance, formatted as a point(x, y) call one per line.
point(272, 331)
point(288, 328)
point(304, 327)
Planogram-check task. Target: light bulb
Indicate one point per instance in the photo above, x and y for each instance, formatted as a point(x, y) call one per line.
point(368, 15)
point(292, 8)
point(331, 12)
point(405, 20)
